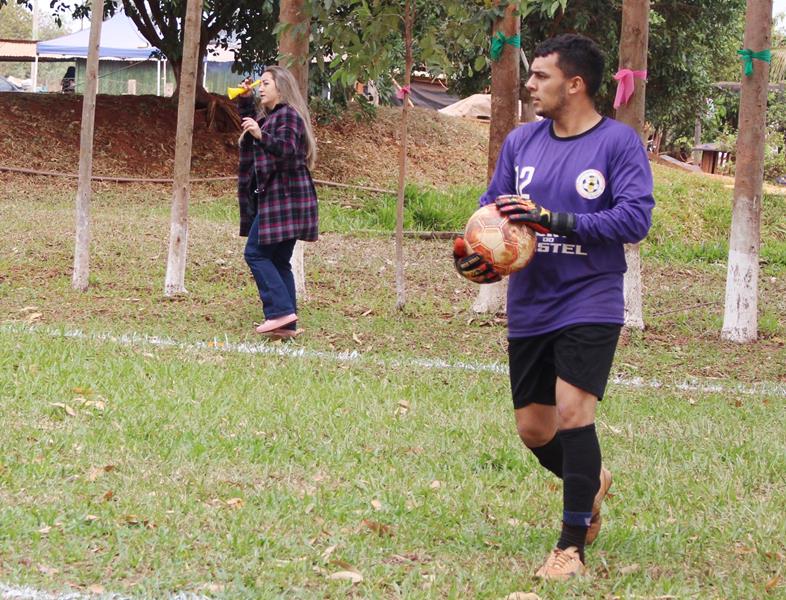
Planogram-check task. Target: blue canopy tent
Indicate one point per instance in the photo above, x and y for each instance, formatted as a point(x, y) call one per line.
point(119, 39)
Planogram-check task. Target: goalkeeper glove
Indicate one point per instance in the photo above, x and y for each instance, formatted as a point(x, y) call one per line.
point(473, 266)
point(542, 220)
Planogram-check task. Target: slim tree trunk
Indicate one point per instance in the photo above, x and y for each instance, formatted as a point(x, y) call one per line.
point(504, 118)
point(402, 157)
point(633, 56)
point(293, 53)
point(178, 229)
point(740, 318)
point(81, 274)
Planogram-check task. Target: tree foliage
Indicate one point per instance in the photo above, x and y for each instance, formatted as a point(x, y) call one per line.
point(692, 44)
point(16, 23)
point(362, 38)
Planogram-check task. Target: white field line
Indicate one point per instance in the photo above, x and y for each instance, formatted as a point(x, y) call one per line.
point(10, 592)
point(136, 340)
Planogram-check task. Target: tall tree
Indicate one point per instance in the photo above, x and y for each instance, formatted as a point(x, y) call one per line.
point(294, 27)
point(632, 69)
point(409, 18)
point(174, 282)
point(740, 317)
point(504, 117)
point(81, 274)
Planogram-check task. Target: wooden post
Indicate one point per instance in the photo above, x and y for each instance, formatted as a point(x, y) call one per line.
point(293, 54)
point(633, 56)
point(409, 18)
point(697, 141)
point(504, 118)
point(740, 318)
point(178, 229)
point(81, 274)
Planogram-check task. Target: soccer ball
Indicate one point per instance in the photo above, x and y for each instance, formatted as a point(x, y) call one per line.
point(508, 246)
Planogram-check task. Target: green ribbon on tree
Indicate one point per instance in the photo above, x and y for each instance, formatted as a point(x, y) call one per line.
point(498, 41)
point(748, 55)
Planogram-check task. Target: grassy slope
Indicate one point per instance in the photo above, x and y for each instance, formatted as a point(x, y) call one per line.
point(312, 447)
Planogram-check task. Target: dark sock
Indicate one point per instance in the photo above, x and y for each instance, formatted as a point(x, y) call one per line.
point(581, 481)
point(550, 456)
point(572, 536)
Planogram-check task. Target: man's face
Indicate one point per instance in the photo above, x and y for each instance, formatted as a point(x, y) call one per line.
point(548, 86)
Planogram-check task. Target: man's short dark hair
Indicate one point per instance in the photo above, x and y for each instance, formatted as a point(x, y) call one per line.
point(577, 56)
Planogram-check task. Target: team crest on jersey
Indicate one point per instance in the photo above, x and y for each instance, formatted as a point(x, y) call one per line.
point(590, 184)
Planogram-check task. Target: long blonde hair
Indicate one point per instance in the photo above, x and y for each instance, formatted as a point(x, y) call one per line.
point(289, 91)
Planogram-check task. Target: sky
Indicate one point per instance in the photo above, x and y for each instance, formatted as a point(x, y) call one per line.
point(778, 7)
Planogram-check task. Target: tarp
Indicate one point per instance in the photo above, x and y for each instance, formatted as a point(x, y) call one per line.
point(477, 106)
point(427, 96)
point(119, 39)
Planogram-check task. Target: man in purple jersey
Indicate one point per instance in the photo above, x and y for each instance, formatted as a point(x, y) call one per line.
point(583, 182)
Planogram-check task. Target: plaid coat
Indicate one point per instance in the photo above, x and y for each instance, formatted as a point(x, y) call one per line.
point(275, 166)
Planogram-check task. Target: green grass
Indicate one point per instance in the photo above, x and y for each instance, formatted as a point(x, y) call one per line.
point(241, 475)
point(318, 452)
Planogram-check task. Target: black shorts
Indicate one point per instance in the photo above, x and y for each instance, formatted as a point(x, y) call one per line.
point(579, 354)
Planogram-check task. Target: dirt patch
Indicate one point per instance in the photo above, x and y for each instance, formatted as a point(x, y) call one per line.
point(135, 137)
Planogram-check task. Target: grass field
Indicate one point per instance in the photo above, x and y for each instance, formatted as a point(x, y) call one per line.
point(381, 442)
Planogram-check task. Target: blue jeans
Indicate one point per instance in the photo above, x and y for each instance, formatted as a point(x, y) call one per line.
point(269, 264)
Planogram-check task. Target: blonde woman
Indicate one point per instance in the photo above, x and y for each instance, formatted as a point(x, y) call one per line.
point(278, 202)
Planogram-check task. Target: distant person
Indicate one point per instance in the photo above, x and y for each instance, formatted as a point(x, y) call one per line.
point(278, 202)
point(68, 83)
point(583, 182)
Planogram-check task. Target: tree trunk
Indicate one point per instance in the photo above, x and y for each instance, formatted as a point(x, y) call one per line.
point(201, 95)
point(293, 50)
point(178, 229)
point(81, 274)
point(740, 318)
point(504, 87)
point(293, 45)
point(633, 56)
point(504, 118)
point(402, 157)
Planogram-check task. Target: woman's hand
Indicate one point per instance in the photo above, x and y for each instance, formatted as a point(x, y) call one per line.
point(249, 125)
point(247, 85)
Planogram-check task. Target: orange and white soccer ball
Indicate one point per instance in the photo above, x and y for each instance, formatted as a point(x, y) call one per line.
point(508, 246)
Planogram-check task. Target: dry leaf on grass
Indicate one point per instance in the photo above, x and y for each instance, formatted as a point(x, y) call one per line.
point(772, 584)
point(379, 528)
point(376, 505)
point(95, 588)
point(522, 596)
point(96, 472)
point(328, 551)
point(235, 502)
point(435, 485)
point(48, 570)
point(67, 409)
point(630, 569)
point(352, 576)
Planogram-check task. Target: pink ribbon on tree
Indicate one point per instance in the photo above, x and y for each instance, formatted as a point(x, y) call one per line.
point(626, 85)
point(403, 91)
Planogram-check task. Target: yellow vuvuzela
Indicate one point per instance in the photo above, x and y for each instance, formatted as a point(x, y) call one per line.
point(234, 92)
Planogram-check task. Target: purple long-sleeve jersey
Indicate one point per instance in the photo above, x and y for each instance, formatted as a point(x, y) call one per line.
point(604, 177)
